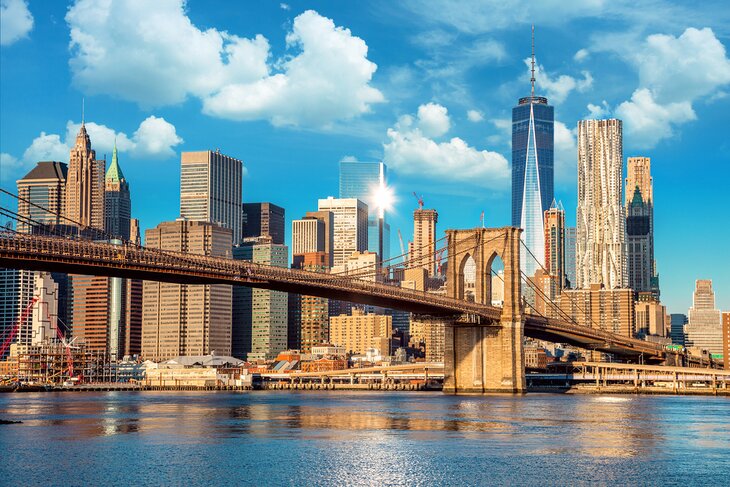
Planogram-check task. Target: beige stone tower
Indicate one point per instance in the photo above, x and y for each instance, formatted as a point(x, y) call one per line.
point(85, 184)
point(424, 240)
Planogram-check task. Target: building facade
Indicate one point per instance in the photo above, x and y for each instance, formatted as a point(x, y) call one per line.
point(532, 174)
point(187, 319)
point(211, 189)
point(600, 255)
point(85, 184)
point(117, 201)
point(611, 310)
point(262, 313)
point(313, 311)
point(366, 182)
point(571, 241)
point(423, 250)
point(350, 226)
point(726, 339)
point(359, 332)
point(555, 243)
point(677, 323)
point(264, 220)
point(704, 328)
point(650, 316)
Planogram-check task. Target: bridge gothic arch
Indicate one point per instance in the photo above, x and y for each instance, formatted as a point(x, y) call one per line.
point(483, 356)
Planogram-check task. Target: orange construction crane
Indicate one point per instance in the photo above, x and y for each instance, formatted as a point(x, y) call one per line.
point(420, 200)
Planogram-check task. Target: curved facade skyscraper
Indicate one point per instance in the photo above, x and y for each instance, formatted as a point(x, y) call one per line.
point(532, 173)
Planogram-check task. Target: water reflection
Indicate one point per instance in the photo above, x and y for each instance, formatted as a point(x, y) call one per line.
point(368, 438)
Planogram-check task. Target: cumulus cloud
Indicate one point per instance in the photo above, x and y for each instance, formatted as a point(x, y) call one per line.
point(349, 159)
point(151, 53)
point(410, 151)
point(565, 154)
point(474, 116)
point(598, 111)
point(557, 88)
point(155, 138)
point(284, 6)
point(647, 122)
point(433, 120)
point(674, 72)
point(15, 21)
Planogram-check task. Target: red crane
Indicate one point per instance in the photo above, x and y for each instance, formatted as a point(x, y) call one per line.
point(420, 200)
point(14, 330)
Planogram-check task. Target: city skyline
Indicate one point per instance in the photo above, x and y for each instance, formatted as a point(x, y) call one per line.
point(434, 117)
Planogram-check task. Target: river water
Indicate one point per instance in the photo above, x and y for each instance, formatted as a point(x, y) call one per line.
point(368, 438)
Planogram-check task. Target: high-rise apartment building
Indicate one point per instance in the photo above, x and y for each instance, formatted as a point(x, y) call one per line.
point(367, 181)
point(264, 220)
point(93, 302)
point(423, 250)
point(260, 321)
point(307, 236)
point(555, 243)
point(42, 196)
point(571, 241)
point(85, 184)
point(532, 172)
point(117, 200)
point(610, 310)
point(211, 189)
point(639, 200)
point(600, 256)
point(359, 332)
point(187, 319)
point(350, 226)
point(313, 311)
point(704, 329)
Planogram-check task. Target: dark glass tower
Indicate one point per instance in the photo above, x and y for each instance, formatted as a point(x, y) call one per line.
point(532, 171)
point(117, 200)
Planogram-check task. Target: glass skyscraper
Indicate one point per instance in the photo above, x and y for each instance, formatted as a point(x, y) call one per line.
point(361, 180)
point(532, 174)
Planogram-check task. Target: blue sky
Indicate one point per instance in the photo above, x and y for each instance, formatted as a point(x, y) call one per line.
point(293, 88)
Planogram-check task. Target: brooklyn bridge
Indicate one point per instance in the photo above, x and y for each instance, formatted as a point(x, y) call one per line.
point(483, 343)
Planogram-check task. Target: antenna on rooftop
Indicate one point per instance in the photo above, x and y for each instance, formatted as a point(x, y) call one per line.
point(82, 110)
point(532, 79)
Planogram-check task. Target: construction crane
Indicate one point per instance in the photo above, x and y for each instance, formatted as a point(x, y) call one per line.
point(14, 330)
point(420, 200)
point(439, 257)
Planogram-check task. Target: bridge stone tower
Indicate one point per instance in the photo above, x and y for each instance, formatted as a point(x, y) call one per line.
point(482, 355)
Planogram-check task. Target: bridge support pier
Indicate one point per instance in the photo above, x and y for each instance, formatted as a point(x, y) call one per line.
point(482, 359)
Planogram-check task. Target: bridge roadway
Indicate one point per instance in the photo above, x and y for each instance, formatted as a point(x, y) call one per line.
point(77, 256)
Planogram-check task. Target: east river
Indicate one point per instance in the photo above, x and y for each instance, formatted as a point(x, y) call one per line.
point(341, 438)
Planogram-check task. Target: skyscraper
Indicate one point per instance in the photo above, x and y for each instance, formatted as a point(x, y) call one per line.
point(366, 181)
point(424, 240)
point(704, 329)
point(555, 243)
point(260, 314)
point(211, 189)
point(313, 311)
point(600, 255)
point(187, 319)
point(264, 220)
point(117, 200)
point(678, 322)
point(85, 184)
point(350, 226)
point(639, 200)
point(532, 172)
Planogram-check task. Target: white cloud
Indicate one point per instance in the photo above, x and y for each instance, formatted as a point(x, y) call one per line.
point(348, 159)
point(433, 120)
point(581, 55)
point(557, 88)
point(598, 111)
point(647, 122)
point(410, 152)
point(682, 68)
point(674, 72)
point(15, 21)
point(155, 138)
point(151, 53)
point(474, 116)
point(284, 6)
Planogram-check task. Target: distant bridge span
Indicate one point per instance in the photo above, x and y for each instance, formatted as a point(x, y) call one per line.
point(59, 254)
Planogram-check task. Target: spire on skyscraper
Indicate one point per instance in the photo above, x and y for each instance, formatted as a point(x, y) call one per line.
point(114, 173)
point(532, 78)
